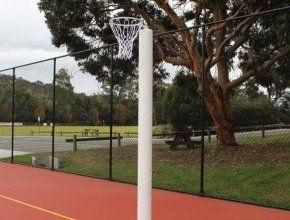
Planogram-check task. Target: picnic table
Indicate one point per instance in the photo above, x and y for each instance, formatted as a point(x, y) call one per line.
point(94, 132)
point(183, 138)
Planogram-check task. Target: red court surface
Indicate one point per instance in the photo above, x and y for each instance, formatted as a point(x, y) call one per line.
point(31, 193)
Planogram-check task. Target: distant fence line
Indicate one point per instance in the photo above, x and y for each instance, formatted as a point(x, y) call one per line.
point(212, 131)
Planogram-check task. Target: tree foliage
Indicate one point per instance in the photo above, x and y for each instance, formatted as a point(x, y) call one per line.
point(120, 113)
point(182, 106)
point(254, 112)
point(39, 112)
point(95, 115)
point(175, 103)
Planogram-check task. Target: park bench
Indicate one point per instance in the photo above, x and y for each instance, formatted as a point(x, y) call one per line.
point(182, 138)
point(75, 140)
point(93, 139)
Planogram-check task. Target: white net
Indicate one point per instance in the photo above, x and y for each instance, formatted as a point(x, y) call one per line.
point(126, 30)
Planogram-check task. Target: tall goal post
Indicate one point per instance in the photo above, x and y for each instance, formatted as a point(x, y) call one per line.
point(145, 106)
point(126, 30)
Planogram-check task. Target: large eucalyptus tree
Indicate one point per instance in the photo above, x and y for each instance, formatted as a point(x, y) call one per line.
point(257, 42)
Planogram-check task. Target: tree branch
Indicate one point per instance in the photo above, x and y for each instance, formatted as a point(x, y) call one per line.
point(197, 22)
point(217, 27)
point(242, 27)
point(169, 59)
point(262, 68)
point(179, 23)
point(210, 33)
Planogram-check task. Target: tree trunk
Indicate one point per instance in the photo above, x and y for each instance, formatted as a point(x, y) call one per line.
point(217, 96)
point(219, 108)
point(225, 134)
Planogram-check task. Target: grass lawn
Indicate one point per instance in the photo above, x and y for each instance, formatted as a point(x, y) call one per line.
point(250, 173)
point(270, 140)
point(64, 130)
point(30, 130)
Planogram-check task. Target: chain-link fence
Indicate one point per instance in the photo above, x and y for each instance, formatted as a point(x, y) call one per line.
point(255, 168)
point(6, 115)
point(221, 115)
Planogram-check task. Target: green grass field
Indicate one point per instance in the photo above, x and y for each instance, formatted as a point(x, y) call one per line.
point(62, 130)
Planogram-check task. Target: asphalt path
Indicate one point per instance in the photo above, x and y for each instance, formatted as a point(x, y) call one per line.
point(34, 144)
point(37, 144)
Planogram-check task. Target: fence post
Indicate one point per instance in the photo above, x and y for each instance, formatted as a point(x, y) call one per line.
point(53, 115)
point(13, 116)
point(209, 134)
point(201, 192)
point(119, 139)
point(111, 115)
point(263, 131)
point(75, 145)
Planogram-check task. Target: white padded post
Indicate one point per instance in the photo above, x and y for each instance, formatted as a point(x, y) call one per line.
point(145, 107)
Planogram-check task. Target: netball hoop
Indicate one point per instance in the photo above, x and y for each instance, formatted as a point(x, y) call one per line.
point(126, 30)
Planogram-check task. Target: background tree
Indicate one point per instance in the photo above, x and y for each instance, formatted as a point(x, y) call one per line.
point(182, 104)
point(120, 113)
point(81, 110)
point(5, 98)
point(6, 112)
point(48, 110)
point(126, 93)
point(276, 82)
point(67, 113)
point(159, 91)
point(25, 104)
point(255, 111)
point(95, 115)
point(104, 107)
point(39, 112)
point(121, 92)
point(258, 41)
point(64, 96)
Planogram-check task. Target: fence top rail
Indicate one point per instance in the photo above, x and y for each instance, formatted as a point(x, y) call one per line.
point(155, 35)
point(224, 20)
point(61, 56)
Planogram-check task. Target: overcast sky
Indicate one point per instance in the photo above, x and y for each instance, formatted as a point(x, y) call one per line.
point(25, 38)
